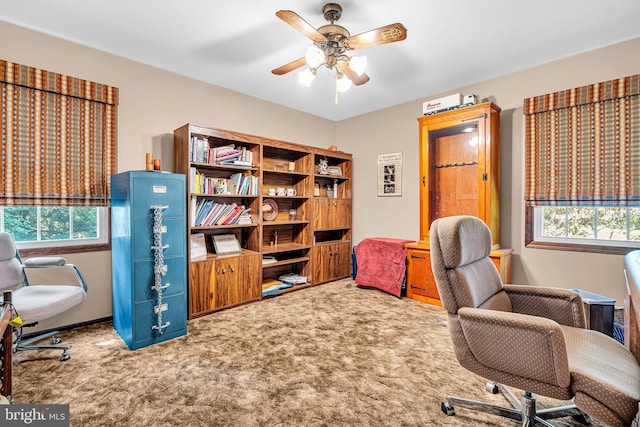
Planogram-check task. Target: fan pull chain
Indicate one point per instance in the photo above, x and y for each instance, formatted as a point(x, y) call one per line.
point(159, 267)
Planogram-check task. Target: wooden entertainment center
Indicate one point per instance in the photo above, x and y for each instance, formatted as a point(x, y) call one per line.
point(304, 229)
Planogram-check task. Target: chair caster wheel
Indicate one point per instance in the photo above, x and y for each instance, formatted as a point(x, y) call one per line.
point(65, 356)
point(492, 388)
point(447, 409)
point(55, 340)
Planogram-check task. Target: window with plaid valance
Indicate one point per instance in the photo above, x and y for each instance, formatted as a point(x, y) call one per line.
point(583, 146)
point(59, 138)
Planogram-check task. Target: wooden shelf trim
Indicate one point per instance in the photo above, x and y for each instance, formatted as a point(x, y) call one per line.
point(286, 262)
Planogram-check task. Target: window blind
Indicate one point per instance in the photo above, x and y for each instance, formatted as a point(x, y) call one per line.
point(583, 146)
point(59, 138)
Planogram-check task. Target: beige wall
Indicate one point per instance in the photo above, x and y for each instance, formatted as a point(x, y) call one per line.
point(396, 129)
point(154, 102)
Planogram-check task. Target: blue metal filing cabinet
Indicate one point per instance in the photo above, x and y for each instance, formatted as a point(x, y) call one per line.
point(149, 256)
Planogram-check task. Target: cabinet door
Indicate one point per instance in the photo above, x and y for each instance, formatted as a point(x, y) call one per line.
point(237, 280)
point(201, 287)
point(420, 280)
point(321, 267)
point(248, 277)
point(340, 259)
point(332, 213)
point(331, 262)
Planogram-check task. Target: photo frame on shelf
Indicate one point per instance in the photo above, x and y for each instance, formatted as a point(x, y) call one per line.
point(225, 243)
point(390, 174)
point(198, 247)
point(334, 170)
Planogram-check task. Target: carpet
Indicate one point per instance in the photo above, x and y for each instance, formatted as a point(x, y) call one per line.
point(330, 355)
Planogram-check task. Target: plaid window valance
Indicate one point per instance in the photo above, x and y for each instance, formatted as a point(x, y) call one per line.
point(583, 146)
point(59, 138)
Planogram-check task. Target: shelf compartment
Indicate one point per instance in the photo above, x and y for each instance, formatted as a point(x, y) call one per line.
point(216, 166)
point(286, 262)
point(277, 222)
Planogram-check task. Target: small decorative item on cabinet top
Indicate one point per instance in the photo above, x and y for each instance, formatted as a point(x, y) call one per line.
point(333, 148)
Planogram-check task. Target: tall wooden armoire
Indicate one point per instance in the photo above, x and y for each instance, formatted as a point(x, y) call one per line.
point(459, 175)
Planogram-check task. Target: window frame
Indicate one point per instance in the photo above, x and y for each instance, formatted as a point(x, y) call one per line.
point(51, 248)
point(530, 242)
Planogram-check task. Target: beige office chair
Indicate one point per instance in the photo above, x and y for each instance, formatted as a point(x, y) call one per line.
point(34, 303)
point(528, 337)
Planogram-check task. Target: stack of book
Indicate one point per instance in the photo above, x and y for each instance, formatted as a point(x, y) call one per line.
point(272, 287)
point(200, 151)
point(268, 259)
point(207, 212)
point(293, 279)
point(237, 183)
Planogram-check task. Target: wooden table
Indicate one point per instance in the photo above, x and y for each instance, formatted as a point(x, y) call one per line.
point(6, 335)
point(632, 303)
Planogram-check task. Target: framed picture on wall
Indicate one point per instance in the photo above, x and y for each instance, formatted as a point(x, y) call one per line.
point(390, 174)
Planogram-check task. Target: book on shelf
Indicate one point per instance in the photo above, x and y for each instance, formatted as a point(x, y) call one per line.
point(293, 278)
point(268, 259)
point(268, 283)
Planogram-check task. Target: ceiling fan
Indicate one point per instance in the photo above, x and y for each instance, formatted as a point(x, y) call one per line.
point(330, 46)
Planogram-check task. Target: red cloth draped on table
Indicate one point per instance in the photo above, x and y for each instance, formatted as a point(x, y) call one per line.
point(381, 263)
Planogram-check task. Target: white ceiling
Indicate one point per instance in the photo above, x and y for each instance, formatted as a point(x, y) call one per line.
point(236, 44)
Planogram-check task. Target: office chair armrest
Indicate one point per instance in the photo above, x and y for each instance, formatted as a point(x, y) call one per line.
point(516, 344)
point(45, 262)
point(56, 262)
point(561, 305)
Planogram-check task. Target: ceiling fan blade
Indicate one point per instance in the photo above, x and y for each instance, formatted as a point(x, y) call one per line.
point(356, 79)
point(293, 65)
point(293, 19)
point(383, 35)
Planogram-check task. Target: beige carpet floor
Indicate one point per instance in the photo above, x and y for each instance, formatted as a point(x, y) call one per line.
point(331, 355)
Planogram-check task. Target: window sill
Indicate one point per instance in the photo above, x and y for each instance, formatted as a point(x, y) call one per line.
point(59, 250)
point(601, 249)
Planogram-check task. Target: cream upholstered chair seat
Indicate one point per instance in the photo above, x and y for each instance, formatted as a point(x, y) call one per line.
point(34, 303)
point(529, 337)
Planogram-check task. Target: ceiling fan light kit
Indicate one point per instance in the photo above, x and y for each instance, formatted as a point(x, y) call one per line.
point(330, 46)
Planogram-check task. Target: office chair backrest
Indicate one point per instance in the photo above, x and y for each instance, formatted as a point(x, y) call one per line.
point(465, 275)
point(11, 272)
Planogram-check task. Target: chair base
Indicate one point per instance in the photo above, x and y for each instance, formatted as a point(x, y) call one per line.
point(25, 344)
point(523, 410)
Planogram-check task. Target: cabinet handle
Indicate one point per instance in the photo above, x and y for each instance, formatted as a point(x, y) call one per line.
point(232, 269)
point(417, 257)
point(224, 270)
point(335, 204)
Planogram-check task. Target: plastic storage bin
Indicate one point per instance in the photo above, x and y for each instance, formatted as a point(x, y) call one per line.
point(598, 311)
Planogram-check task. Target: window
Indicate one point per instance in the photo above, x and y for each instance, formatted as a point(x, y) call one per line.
point(610, 226)
point(58, 151)
point(582, 167)
point(55, 226)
